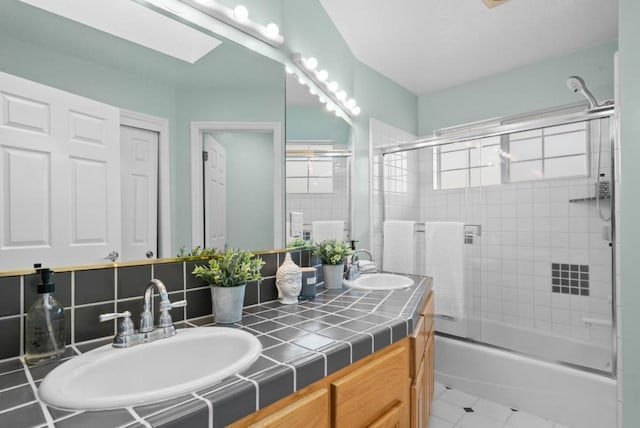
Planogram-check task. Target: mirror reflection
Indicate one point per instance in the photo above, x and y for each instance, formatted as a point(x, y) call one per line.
point(318, 168)
point(96, 142)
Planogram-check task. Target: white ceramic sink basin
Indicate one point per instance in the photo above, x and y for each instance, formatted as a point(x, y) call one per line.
point(379, 281)
point(107, 377)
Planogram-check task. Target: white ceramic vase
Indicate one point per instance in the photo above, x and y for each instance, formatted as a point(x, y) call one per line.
point(333, 276)
point(227, 303)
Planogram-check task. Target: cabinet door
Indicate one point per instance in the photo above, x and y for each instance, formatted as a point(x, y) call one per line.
point(391, 419)
point(363, 395)
point(418, 342)
point(429, 368)
point(420, 399)
point(309, 411)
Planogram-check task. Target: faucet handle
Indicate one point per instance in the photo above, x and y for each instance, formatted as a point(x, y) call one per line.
point(125, 327)
point(166, 305)
point(114, 315)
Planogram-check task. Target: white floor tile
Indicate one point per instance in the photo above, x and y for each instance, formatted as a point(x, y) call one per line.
point(459, 398)
point(447, 411)
point(438, 389)
point(436, 422)
point(492, 410)
point(527, 420)
point(474, 420)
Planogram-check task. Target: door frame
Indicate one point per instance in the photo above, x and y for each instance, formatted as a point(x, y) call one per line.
point(198, 129)
point(161, 126)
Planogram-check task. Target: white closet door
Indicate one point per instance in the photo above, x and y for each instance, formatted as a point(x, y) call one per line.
point(139, 172)
point(215, 194)
point(60, 183)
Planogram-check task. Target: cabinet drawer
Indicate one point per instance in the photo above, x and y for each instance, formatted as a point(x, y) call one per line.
point(391, 419)
point(364, 395)
point(418, 343)
point(427, 311)
point(309, 411)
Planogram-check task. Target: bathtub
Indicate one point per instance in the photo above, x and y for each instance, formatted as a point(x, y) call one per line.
point(575, 398)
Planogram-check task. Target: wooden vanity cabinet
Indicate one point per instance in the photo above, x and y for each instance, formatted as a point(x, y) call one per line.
point(312, 410)
point(392, 388)
point(422, 370)
point(365, 396)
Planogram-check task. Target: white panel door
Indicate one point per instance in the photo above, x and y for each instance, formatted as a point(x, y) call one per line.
point(139, 173)
point(215, 194)
point(60, 186)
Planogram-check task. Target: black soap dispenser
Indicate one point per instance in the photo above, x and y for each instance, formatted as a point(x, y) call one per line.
point(44, 328)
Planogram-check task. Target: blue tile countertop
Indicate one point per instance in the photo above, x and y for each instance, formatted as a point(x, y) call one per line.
point(301, 344)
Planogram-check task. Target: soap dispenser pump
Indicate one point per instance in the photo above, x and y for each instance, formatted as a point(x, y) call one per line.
point(44, 328)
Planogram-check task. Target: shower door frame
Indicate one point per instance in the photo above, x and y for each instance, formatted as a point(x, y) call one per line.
point(520, 123)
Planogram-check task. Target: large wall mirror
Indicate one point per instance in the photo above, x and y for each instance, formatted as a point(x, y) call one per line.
point(318, 168)
point(68, 198)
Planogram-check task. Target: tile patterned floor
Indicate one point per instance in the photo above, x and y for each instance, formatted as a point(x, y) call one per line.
point(452, 408)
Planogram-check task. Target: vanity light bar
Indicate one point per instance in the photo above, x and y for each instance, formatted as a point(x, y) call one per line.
point(238, 18)
point(331, 89)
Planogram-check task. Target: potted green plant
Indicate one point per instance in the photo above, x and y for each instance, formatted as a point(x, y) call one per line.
point(227, 273)
point(332, 254)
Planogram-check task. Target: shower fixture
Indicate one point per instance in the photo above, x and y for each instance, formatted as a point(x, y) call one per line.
point(576, 84)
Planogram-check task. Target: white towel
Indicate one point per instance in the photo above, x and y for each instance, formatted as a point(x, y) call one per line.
point(444, 252)
point(399, 246)
point(323, 230)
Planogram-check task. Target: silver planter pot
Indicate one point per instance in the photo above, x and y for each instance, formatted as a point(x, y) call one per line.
point(227, 303)
point(333, 276)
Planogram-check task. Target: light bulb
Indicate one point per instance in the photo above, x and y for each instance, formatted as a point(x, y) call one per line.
point(322, 99)
point(312, 91)
point(240, 13)
point(272, 31)
point(338, 114)
point(301, 80)
point(329, 107)
point(322, 75)
point(355, 110)
point(311, 63)
point(333, 86)
point(351, 103)
point(288, 69)
point(341, 95)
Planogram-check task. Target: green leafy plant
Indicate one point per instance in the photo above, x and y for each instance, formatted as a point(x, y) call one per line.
point(230, 268)
point(332, 252)
point(297, 242)
point(196, 252)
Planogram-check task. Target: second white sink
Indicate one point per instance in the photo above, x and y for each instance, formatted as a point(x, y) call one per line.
point(108, 377)
point(379, 281)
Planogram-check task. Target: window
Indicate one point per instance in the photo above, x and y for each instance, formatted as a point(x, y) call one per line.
point(309, 174)
point(468, 164)
point(396, 173)
point(551, 152)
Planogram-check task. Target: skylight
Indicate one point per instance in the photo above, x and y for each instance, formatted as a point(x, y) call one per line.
point(135, 23)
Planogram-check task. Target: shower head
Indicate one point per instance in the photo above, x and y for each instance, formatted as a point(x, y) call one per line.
point(576, 84)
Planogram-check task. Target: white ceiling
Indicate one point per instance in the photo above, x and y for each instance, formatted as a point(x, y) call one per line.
point(427, 45)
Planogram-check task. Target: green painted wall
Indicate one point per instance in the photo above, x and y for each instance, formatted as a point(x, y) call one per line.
point(249, 189)
point(629, 62)
point(315, 123)
point(525, 89)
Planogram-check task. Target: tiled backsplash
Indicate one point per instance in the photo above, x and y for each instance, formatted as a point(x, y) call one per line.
point(85, 294)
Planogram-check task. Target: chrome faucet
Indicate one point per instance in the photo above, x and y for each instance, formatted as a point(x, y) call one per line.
point(127, 336)
point(354, 268)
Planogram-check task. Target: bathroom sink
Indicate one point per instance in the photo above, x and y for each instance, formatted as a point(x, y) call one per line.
point(108, 377)
point(379, 281)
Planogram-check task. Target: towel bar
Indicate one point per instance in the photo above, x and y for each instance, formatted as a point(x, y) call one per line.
point(469, 229)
